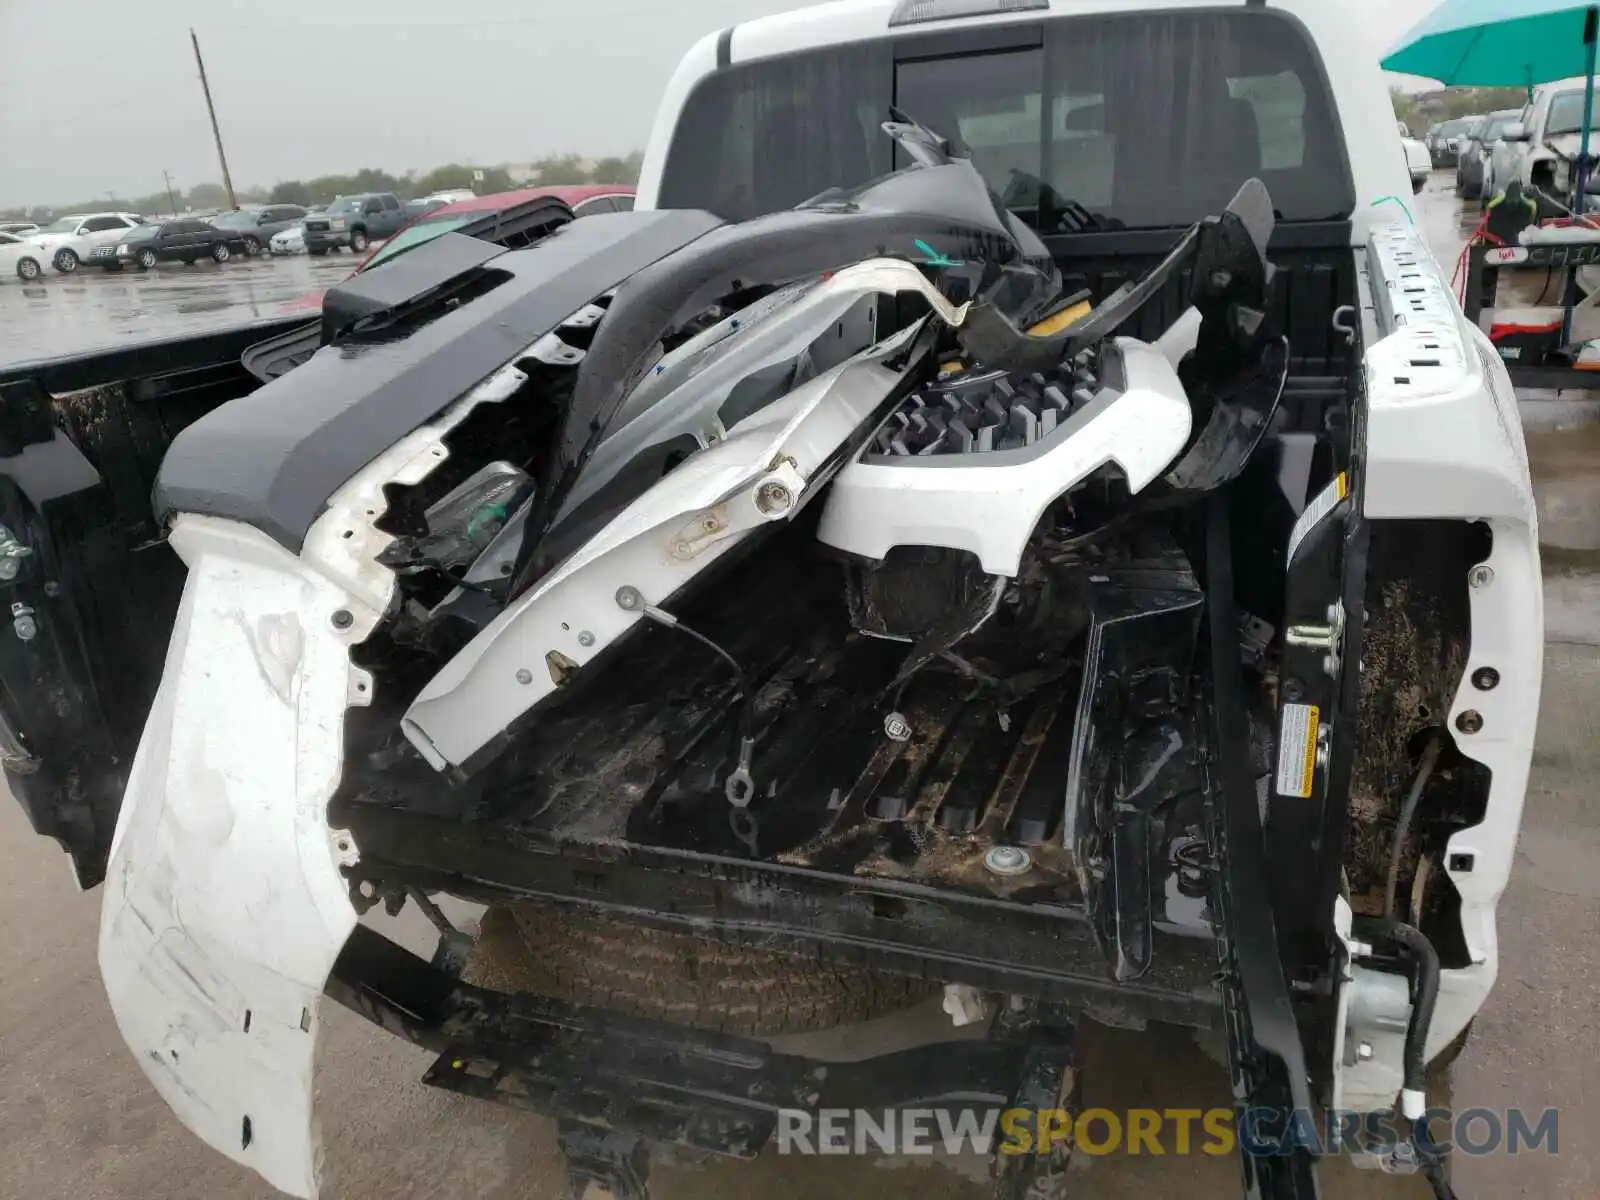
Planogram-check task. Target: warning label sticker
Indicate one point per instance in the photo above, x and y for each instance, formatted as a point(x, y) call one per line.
point(1317, 509)
point(1297, 750)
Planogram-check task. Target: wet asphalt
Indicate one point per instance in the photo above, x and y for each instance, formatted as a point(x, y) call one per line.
point(78, 1119)
point(94, 308)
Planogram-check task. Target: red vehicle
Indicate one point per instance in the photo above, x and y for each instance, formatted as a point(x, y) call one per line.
point(500, 217)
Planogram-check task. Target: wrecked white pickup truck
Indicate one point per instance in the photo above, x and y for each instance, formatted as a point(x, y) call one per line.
point(993, 573)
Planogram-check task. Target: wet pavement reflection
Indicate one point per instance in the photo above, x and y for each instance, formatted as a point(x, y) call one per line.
point(94, 308)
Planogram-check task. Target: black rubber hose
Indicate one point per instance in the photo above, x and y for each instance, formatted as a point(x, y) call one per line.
point(1408, 810)
point(1424, 960)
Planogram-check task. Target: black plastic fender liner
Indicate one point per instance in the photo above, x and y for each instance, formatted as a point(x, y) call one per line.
point(271, 459)
point(1265, 1051)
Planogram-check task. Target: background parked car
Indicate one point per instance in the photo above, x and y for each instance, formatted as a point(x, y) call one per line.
point(185, 240)
point(21, 258)
point(505, 218)
point(355, 221)
point(290, 241)
point(19, 228)
point(1419, 164)
point(1446, 148)
point(419, 208)
point(85, 237)
point(1540, 147)
point(1472, 169)
point(256, 227)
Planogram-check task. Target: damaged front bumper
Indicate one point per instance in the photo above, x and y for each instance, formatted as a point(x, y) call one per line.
point(224, 908)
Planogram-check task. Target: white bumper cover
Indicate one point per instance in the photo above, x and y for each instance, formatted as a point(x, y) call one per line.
point(1444, 441)
point(224, 908)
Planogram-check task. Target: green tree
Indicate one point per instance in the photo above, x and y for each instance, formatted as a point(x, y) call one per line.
point(613, 170)
point(1405, 108)
point(290, 191)
point(557, 169)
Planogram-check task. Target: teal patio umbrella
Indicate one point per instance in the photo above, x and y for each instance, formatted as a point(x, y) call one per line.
point(1505, 43)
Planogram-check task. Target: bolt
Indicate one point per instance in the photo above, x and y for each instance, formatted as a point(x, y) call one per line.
point(586, 638)
point(1293, 690)
point(1470, 721)
point(524, 676)
point(10, 568)
point(23, 624)
point(897, 727)
point(1007, 860)
point(1486, 679)
point(343, 619)
point(774, 498)
point(1364, 1052)
point(1481, 576)
point(629, 599)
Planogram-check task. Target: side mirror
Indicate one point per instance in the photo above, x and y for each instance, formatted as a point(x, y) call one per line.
point(1515, 132)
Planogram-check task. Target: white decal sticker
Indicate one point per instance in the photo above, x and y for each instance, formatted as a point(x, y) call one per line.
point(1316, 510)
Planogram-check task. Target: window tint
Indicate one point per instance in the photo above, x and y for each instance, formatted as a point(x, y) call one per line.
point(623, 203)
point(588, 208)
point(767, 135)
point(7, 240)
point(391, 203)
point(102, 224)
point(1146, 121)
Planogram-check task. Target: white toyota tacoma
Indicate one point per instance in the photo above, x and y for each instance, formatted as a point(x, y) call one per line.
point(1015, 511)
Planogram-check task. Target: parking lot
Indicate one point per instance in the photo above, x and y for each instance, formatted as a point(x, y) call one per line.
point(81, 1121)
point(62, 314)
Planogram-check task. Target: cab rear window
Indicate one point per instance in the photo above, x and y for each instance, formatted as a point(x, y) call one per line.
point(1142, 120)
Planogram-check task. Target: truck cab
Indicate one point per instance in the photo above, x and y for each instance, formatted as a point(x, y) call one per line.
point(1015, 509)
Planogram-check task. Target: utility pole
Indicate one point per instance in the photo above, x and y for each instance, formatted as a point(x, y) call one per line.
point(216, 132)
point(171, 199)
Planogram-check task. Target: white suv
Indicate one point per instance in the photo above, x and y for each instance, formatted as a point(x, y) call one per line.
point(85, 237)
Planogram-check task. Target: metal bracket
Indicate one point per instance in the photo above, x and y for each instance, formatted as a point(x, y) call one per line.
point(1329, 638)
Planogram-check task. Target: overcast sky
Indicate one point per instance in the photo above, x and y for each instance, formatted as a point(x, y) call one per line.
point(97, 97)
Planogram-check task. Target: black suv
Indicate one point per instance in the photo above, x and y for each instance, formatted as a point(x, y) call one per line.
point(185, 240)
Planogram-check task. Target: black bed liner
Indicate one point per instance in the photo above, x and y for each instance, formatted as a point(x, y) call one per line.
point(614, 800)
